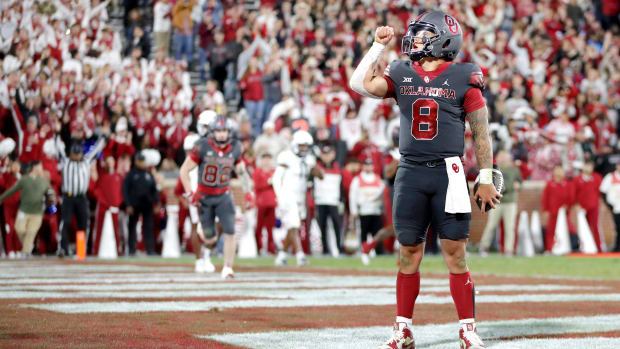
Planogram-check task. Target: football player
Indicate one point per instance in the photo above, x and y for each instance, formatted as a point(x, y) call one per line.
point(290, 183)
point(435, 96)
point(216, 157)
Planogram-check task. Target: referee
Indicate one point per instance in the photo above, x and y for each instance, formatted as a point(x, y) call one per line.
point(75, 179)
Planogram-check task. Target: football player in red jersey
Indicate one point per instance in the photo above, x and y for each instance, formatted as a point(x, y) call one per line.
point(435, 96)
point(216, 157)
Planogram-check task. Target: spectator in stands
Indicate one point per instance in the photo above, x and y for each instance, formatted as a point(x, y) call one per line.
point(206, 30)
point(253, 95)
point(610, 188)
point(183, 27)
point(219, 56)
point(265, 202)
point(161, 24)
point(213, 99)
point(33, 142)
point(327, 197)
point(33, 188)
point(507, 210)
point(366, 200)
point(270, 141)
point(558, 193)
point(140, 195)
point(10, 206)
point(140, 42)
point(272, 84)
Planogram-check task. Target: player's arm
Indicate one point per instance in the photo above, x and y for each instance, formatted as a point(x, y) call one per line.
point(277, 180)
point(478, 121)
point(187, 166)
point(365, 79)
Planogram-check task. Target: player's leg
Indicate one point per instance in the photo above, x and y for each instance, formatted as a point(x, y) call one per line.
point(291, 221)
point(381, 235)
point(225, 211)
point(204, 234)
point(411, 214)
point(453, 231)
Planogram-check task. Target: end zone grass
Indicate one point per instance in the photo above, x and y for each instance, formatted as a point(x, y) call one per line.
point(587, 268)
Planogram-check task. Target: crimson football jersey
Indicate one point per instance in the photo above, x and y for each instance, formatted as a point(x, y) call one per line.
point(433, 106)
point(216, 164)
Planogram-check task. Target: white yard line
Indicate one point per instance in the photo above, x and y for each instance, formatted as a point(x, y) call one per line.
point(299, 298)
point(440, 336)
point(322, 284)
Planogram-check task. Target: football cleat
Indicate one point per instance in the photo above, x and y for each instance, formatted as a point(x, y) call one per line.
point(470, 339)
point(301, 259)
point(199, 266)
point(281, 259)
point(227, 273)
point(208, 265)
point(401, 338)
point(365, 258)
point(366, 248)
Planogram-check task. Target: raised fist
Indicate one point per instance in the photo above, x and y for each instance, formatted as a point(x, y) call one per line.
point(383, 35)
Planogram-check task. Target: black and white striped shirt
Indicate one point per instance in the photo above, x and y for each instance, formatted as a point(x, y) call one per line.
point(76, 174)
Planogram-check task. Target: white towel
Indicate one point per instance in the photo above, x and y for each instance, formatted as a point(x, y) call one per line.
point(457, 195)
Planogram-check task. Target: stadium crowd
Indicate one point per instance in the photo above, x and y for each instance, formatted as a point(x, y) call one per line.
point(69, 78)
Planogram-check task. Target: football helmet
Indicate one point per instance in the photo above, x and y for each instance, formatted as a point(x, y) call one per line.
point(221, 123)
point(301, 138)
point(204, 119)
point(189, 141)
point(446, 43)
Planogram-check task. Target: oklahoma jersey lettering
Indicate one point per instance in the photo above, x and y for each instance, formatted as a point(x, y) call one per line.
point(433, 106)
point(215, 165)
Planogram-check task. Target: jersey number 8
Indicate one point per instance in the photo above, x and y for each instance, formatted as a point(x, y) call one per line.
point(211, 172)
point(424, 119)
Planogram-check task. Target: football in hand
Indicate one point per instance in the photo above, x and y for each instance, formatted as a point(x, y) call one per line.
point(498, 182)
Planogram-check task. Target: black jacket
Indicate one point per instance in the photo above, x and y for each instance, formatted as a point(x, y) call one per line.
point(139, 188)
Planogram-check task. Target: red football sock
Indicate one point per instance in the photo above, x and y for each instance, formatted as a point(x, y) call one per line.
point(462, 290)
point(407, 289)
point(372, 244)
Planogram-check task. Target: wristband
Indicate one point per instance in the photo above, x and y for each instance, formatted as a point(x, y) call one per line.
point(486, 176)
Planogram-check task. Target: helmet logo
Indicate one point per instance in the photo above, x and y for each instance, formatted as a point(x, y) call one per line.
point(452, 24)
